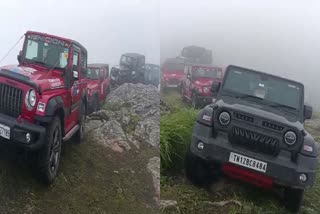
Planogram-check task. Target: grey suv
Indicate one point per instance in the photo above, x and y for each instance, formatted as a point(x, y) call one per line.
point(254, 132)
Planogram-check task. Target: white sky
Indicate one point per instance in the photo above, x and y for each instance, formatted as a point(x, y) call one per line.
point(280, 37)
point(106, 28)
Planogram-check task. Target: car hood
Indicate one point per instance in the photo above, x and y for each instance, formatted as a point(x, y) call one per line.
point(260, 111)
point(203, 81)
point(40, 76)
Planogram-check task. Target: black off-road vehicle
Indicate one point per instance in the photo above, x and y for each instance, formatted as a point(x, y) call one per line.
point(254, 131)
point(130, 70)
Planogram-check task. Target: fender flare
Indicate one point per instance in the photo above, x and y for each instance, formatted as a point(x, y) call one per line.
point(54, 104)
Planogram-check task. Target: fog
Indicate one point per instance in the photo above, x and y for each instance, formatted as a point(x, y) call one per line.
point(279, 37)
point(106, 28)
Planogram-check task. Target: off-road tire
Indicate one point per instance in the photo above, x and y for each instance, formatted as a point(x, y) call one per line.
point(49, 155)
point(293, 199)
point(78, 137)
point(96, 104)
point(197, 170)
point(194, 101)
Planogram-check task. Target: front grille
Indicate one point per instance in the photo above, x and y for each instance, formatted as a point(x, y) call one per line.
point(10, 100)
point(243, 117)
point(254, 141)
point(272, 126)
point(173, 81)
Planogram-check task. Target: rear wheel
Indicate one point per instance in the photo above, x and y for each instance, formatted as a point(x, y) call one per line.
point(197, 170)
point(293, 199)
point(49, 155)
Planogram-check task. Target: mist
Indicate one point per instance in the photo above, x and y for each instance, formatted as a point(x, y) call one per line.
point(106, 28)
point(278, 37)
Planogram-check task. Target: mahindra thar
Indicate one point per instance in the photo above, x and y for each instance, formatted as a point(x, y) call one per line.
point(254, 131)
point(43, 99)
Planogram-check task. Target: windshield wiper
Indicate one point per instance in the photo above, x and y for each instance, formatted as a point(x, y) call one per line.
point(249, 96)
point(278, 105)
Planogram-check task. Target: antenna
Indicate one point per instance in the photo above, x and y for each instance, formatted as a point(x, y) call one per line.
point(11, 49)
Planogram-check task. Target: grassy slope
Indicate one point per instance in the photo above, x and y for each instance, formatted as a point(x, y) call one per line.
point(92, 179)
point(254, 200)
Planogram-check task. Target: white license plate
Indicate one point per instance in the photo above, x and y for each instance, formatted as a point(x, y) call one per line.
point(5, 131)
point(248, 162)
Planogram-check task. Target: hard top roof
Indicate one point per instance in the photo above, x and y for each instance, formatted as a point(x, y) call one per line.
point(133, 55)
point(58, 37)
point(260, 72)
point(98, 65)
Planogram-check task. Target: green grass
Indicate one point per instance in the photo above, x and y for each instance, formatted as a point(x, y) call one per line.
point(191, 199)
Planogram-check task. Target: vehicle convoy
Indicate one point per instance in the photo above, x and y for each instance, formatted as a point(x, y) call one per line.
point(98, 85)
point(196, 86)
point(172, 73)
point(130, 70)
point(43, 99)
point(152, 74)
point(254, 132)
point(196, 54)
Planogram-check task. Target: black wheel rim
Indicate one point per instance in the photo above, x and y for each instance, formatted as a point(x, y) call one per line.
point(55, 150)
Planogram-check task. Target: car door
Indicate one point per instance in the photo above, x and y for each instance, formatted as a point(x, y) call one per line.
point(75, 95)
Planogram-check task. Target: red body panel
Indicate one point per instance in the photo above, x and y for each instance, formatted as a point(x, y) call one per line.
point(245, 175)
point(200, 84)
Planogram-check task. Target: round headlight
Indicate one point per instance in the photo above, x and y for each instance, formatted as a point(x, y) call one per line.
point(31, 99)
point(224, 118)
point(133, 72)
point(206, 89)
point(290, 138)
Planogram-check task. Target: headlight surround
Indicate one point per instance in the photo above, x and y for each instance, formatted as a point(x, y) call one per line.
point(31, 99)
point(206, 89)
point(224, 118)
point(290, 138)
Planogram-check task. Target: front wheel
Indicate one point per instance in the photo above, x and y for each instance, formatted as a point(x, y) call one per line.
point(293, 199)
point(49, 155)
point(197, 170)
point(194, 101)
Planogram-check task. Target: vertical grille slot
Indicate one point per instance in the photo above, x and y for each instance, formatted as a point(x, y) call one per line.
point(10, 100)
point(254, 141)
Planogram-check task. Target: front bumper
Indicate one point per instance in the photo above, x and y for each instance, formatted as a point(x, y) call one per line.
point(281, 169)
point(18, 133)
point(204, 100)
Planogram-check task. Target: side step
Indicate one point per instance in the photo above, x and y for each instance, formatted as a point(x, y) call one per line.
point(71, 133)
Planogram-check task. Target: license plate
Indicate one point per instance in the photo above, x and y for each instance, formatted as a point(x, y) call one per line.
point(5, 131)
point(248, 162)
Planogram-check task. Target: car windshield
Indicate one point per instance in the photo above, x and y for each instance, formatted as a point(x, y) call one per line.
point(93, 73)
point(47, 51)
point(127, 60)
point(174, 67)
point(207, 72)
point(264, 87)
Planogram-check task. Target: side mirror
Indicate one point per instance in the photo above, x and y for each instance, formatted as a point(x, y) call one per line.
point(215, 88)
point(75, 75)
point(19, 57)
point(307, 112)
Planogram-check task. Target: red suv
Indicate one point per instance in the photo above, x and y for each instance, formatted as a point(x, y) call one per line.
point(43, 99)
point(98, 82)
point(196, 86)
point(172, 73)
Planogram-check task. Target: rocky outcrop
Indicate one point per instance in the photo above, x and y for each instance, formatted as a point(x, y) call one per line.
point(129, 118)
